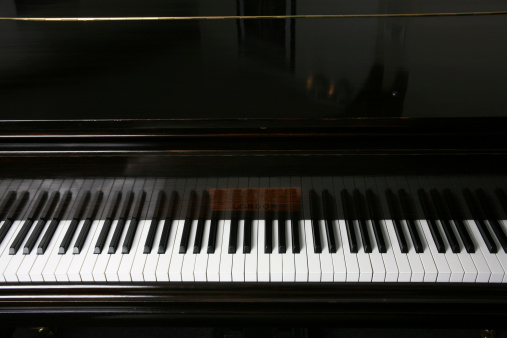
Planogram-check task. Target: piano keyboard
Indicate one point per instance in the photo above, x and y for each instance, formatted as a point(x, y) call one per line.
point(338, 229)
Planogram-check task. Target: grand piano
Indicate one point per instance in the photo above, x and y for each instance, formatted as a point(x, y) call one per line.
point(286, 162)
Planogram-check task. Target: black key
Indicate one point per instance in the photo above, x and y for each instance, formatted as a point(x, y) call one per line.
point(329, 216)
point(431, 219)
point(396, 214)
point(479, 220)
point(349, 220)
point(200, 222)
point(57, 217)
point(115, 240)
point(235, 216)
point(215, 216)
point(7, 204)
point(78, 215)
point(247, 224)
point(294, 222)
point(134, 222)
point(492, 217)
point(188, 222)
point(315, 216)
point(46, 213)
point(13, 214)
point(375, 216)
point(148, 244)
point(445, 217)
point(107, 223)
point(410, 218)
point(89, 218)
point(169, 218)
point(268, 233)
point(360, 214)
point(458, 221)
point(282, 221)
point(27, 225)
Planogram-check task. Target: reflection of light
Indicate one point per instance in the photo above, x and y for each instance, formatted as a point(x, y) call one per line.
point(331, 89)
point(309, 82)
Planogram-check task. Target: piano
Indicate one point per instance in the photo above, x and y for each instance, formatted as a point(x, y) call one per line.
point(279, 162)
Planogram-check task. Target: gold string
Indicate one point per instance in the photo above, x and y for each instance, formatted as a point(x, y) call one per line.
point(326, 16)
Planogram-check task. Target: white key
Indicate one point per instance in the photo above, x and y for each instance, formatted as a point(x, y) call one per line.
point(5, 258)
point(213, 270)
point(363, 259)
point(62, 270)
point(326, 260)
point(42, 260)
point(201, 259)
point(137, 272)
point(414, 258)
point(226, 257)
point(77, 267)
point(497, 273)
point(501, 255)
point(187, 268)
point(99, 269)
point(350, 258)
point(444, 271)
point(238, 259)
point(177, 258)
point(289, 268)
point(127, 261)
point(377, 262)
point(262, 258)
point(314, 272)
point(91, 258)
point(276, 259)
point(388, 257)
point(54, 258)
point(115, 259)
point(404, 267)
point(164, 260)
point(301, 259)
point(150, 270)
point(251, 258)
point(340, 269)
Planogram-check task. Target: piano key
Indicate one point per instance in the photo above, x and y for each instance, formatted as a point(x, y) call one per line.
point(213, 269)
point(251, 257)
point(139, 262)
point(410, 220)
point(132, 230)
point(118, 230)
point(267, 217)
point(152, 258)
point(238, 259)
point(492, 218)
point(203, 213)
point(431, 220)
point(263, 257)
point(288, 262)
point(127, 259)
point(57, 218)
point(201, 259)
point(226, 257)
point(249, 217)
point(13, 214)
point(78, 214)
point(314, 272)
point(7, 202)
point(297, 225)
point(89, 218)
point(282, 218)
point(361, 220)
point(45, 215)
point(329, 216)
point(187, 225)
point(349, 221)
point(396, 214)
point(375, 218)
point(458, 221)
point(169, 220)
point(148, 245)
point(479, 221)
point(386, 252)
point(36, 208)
point(106, 227)
point(276, 258)
point(235, 217)
point(337, 256)
point(445, 218)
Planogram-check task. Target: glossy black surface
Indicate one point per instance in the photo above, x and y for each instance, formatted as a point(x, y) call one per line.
point(262, 68)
